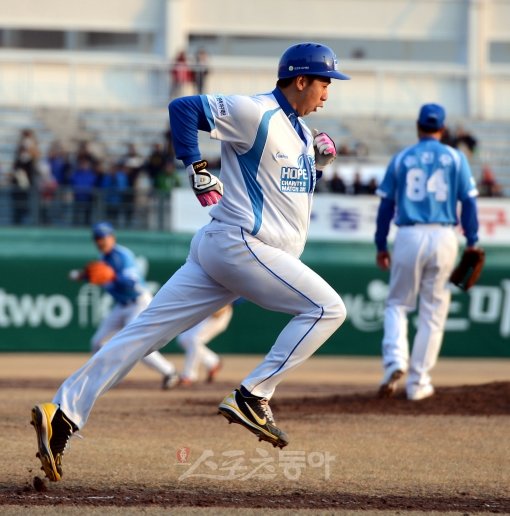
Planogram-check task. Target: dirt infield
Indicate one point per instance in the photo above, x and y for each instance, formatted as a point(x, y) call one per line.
point(160, 452)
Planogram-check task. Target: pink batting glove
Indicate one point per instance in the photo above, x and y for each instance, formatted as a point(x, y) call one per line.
point(209, 198)
point(207, 188)
point(325, 150)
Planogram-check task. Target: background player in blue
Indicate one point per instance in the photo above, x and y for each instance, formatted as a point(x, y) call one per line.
point(422, 187)
point(250, 249)
point(131, 296)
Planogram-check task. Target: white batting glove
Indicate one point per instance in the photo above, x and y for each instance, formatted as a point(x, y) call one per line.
point(207, 188)
point(325, 150)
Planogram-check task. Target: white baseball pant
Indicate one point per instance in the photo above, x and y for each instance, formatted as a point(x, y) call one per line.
point(119, 316)
point(224, 263)
point(422, 260)
point(194, 342)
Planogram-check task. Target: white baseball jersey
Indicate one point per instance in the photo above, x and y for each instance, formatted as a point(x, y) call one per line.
point(269, 183)
point(250, 249)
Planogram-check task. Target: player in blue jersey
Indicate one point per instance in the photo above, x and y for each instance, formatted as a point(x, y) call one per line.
point(130, 295)
point(270, 162)
point(421, 189)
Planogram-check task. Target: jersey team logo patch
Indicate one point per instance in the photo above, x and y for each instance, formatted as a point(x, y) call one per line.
point(300, 179)
point(221, 106)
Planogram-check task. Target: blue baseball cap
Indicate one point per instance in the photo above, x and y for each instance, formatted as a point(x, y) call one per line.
point(432, 117)
point(102, 229)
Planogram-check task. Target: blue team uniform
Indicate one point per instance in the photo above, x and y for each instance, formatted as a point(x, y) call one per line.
point(425, 181)
point(422, 189)
point(128, 284)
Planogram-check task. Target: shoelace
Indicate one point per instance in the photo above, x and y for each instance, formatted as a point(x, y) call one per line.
point(61, 438)
point(67, 446)
point(59, 443)
point(266, 409)
point(75, 435)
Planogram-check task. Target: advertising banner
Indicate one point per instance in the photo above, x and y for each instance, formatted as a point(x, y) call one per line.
point(42, 310)
point(340, 218)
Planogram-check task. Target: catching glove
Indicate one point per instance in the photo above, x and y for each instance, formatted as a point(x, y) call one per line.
point(207, 188)
point(325, 150)
point(469, 268)
point(99, 273)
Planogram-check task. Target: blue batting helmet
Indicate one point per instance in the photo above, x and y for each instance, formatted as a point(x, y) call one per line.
point(309, 59)
point(102, 229)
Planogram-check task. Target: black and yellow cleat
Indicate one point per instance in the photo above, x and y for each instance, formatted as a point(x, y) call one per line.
point(53, 431)
point(254, 414)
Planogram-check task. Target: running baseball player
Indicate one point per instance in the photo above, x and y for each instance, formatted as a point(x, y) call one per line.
point(194, 342)
point(270, 162)
point(421, 187)
point(130, 294)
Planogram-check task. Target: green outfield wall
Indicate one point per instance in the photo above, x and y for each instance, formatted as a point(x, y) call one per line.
point(41, 310)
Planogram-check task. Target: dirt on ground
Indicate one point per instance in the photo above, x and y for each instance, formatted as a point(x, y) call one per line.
point(448, 453)
point(489, 399)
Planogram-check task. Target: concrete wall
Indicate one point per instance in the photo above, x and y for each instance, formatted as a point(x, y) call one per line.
point(118, 15)
point(453, 51)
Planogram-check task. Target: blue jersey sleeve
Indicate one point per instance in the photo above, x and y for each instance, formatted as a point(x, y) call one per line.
point(384, 216)
point(124, 279)
point(469, 220)
point(128, 283)
point(187, 117)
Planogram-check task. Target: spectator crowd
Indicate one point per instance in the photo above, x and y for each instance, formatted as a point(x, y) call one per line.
point(78, 187)
point(188, 76)
point(68, 187)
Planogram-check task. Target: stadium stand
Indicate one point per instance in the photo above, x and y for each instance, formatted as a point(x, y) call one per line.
point(111, 130)
point(105, 77)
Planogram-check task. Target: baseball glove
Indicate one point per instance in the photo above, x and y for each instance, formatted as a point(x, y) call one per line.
point(469, 268)
point(99, 273)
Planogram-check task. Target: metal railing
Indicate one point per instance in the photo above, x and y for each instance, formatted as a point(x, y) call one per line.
point(65, 207)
